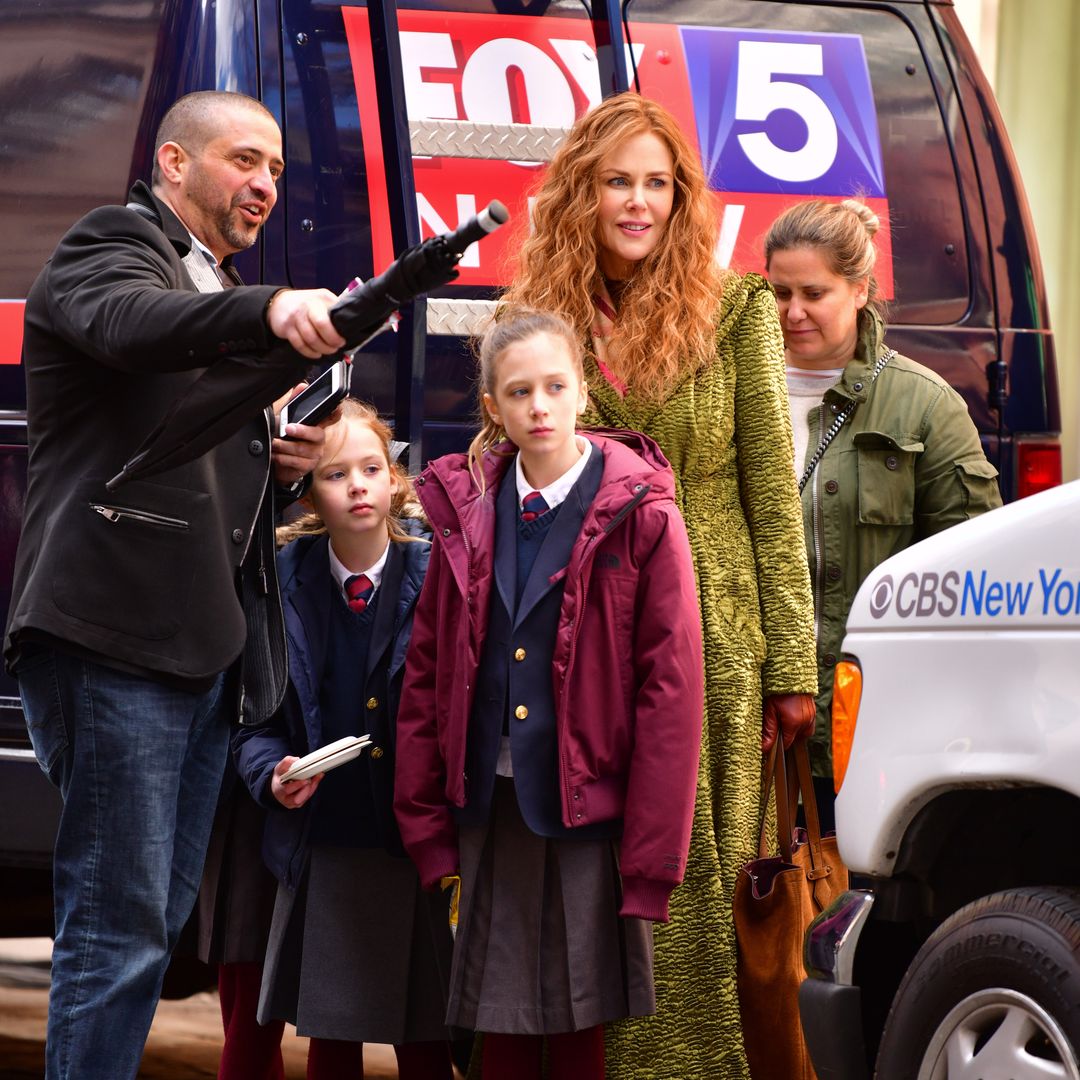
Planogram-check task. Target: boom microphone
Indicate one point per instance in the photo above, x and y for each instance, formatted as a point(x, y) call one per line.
point(476, 228)
point(361, 312)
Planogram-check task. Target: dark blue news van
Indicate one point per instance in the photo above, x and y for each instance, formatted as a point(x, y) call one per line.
point(402, 119)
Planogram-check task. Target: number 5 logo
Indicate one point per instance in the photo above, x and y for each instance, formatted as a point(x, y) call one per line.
point(759, 93)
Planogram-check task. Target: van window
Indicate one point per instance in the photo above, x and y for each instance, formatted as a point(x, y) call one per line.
point(475, 65)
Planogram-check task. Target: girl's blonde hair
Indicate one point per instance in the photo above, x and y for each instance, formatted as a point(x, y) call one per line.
point(668, 311)
point(403, 504)
point(842, 232)
point(513, 325)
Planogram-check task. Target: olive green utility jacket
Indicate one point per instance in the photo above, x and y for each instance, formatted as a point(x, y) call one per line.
point(907, 464)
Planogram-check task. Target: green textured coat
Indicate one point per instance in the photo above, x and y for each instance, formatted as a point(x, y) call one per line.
point(905, 466)
point(727, 432)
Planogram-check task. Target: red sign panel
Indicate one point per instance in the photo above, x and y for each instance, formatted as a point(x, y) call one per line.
point(11, 330)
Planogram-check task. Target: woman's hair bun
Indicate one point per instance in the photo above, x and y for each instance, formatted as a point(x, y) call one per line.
point(864, 214)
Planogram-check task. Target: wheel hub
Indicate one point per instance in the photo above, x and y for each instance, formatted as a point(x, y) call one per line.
point(999, 1034)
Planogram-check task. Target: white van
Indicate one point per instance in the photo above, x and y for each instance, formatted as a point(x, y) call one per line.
point(957, 738)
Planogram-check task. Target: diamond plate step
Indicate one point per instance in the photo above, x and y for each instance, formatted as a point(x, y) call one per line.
point(499, 142)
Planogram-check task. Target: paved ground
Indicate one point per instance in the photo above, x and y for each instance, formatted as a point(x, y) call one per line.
point(184, 1043)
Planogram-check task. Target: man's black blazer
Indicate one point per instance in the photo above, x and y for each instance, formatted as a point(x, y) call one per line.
point(146, 577)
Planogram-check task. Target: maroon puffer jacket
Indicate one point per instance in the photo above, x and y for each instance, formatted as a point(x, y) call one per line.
point(627, 667)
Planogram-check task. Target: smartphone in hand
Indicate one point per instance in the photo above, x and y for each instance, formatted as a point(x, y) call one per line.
point(318, 400)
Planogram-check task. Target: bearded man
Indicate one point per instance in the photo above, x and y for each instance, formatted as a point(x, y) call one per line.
point(145, 620)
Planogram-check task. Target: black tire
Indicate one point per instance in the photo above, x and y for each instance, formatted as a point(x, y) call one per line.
point(996, 984)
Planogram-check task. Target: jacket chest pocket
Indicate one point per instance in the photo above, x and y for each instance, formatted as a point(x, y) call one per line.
point(886, 465)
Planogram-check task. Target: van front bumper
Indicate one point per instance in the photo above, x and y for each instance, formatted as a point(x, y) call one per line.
point(830, 1004)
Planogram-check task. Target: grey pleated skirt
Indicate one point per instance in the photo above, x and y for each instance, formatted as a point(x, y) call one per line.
point(359, 952)
point(540, 947)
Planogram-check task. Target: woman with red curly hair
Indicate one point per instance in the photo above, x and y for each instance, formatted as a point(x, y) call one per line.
point(624, 232)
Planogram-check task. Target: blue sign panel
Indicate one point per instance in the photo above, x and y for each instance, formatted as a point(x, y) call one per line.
point(784, 113)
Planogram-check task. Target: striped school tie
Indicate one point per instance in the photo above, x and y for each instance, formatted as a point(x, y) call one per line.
point(358, 589)
point(532, 506)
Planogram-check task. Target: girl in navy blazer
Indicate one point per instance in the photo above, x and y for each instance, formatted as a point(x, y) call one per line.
point(357, 952)
point(551, 713)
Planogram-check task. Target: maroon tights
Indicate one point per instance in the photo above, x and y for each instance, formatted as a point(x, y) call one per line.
point(335, 1059)
point(251, 1049)
point(574, 1055)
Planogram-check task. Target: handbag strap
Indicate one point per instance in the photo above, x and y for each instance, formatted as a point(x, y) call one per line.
point(789, 774)
point(775, 775)
point(838, 422)
point(820, 867)
point(766, 788)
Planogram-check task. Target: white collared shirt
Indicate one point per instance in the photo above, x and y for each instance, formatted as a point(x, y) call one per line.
point(556, 492)
point(201, 267)
point(211, 258)
point(342, 573)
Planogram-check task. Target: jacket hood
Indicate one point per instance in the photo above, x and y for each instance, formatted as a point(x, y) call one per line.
point(648, 450)
point(635, 471)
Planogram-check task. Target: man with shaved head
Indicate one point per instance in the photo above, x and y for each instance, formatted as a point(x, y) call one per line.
point(191, 119)
point(191, 126)
point(144, 620)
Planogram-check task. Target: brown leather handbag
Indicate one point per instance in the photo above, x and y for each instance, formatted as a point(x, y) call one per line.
point(776, 897)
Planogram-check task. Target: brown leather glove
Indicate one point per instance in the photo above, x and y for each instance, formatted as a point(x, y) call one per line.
point(792, 715)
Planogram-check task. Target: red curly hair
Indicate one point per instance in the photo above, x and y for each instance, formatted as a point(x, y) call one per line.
point(667, 315)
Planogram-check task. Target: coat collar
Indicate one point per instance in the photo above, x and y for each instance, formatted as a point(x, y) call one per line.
point(176, 232)
point(304, 563)
point(506, 513)
point(382, 629)
point(622, 403)
point(854, 384)
point(307, 589)
point(555, 550)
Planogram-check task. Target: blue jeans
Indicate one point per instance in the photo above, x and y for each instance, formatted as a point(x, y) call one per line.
point(139, 766)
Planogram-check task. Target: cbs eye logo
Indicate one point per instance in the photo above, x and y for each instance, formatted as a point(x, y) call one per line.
point(881, 597)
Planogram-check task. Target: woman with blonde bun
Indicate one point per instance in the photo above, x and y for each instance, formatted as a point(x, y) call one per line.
point(691, 355)
point(905, 463)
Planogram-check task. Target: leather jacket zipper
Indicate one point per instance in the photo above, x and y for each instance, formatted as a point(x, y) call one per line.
point(262, 498)
point(121, 513)
point(264, 583)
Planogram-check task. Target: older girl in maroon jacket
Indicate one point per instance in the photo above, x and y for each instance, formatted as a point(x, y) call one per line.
point(550, 717)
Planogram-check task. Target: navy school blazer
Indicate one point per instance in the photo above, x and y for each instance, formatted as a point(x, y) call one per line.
point(307, 591)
